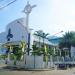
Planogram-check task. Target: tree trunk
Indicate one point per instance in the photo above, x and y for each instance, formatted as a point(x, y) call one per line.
point(39, 42)
point(43, 42)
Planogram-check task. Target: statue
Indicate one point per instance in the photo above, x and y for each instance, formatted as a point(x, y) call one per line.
point(28, 8)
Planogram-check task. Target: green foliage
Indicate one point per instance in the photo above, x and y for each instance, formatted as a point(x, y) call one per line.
point(18, 52)
point(11, 56)
point(40, 33)
point(73, 41)
point(15, 58)
point(67, 40)
point(36, 50)
point(51, 51)
point(3, 56)
point(57, 53)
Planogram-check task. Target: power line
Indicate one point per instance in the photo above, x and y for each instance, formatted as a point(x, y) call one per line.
point(1, 0)
point(8, 4)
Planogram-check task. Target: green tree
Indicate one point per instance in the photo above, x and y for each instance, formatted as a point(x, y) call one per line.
point(17, 52)
point(67, 41)
point(36, 50)
point(73, 42)
point(44, 36)
point(38, 33)
point(41, 34)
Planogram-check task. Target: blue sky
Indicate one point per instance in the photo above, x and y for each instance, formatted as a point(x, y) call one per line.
point(51, 16)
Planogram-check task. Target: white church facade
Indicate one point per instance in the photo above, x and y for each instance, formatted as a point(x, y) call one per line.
point(17, 31)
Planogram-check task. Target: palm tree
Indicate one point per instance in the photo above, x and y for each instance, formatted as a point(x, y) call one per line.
point(44, 35)
point(38, 33)
point(41, 34)
point(73, 42)
point(66, 41)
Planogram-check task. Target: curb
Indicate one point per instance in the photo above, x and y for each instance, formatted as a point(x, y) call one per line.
point(26, 69)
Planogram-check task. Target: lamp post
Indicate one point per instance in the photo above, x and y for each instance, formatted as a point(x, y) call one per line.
point(27, 10)
point(54, 35)
point(54, 47)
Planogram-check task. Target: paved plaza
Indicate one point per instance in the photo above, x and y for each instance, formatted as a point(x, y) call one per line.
point(4, 71)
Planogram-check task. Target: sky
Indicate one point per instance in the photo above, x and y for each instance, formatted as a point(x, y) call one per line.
point(51, 16)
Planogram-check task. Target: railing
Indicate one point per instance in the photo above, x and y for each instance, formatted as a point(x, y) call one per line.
point(60, 60)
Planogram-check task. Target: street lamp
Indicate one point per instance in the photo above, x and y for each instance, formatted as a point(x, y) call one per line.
point(57, 33)
point(55, 38)
point(27, 10)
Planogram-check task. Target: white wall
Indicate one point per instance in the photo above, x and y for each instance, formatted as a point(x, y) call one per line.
point(72, 51)
point(32, 62)
point(17, 29)
point(36, 38)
